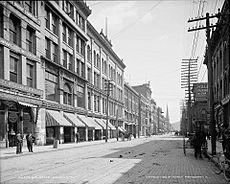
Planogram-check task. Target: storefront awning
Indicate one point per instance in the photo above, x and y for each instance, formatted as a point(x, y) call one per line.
point(121, 129)
point(27, 104)
point(74, 120)
point(55, 118)
point(89, 122)
point(111, 126)
point(101, 123)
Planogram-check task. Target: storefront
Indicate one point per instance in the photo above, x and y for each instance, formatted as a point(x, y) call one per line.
point(58, 128)
point(79, 127)
point(93, 130)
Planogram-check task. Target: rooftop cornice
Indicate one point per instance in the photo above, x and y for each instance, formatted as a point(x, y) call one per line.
point(104, 43)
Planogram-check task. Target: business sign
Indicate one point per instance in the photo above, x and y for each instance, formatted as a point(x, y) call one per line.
point(200, 91)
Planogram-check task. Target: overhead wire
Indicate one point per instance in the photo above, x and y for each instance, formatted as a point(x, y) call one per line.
point(133, 23)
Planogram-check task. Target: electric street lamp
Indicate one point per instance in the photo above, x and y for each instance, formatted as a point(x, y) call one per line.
point(158, 119)
point(108, 88)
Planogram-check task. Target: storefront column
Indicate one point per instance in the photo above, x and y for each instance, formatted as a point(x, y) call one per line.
point(86, 133)
point(61, 137)
point(93, 134)
point(75, 133)
point(40, 127)
point(102, 134)
point(6, 127)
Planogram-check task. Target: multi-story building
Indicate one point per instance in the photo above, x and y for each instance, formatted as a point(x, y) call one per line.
point(131, 111)
point(144, 92)
point(53, 70)
point(219, 49)
point(104, 68)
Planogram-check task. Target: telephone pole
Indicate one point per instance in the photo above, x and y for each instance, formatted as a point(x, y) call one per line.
point(188, 77)
point(108, 88)
point(210, 72)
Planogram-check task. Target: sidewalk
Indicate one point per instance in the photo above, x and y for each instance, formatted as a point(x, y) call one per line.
point(11, 151)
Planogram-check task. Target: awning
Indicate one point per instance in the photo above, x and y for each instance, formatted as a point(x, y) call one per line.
point(121, 129)
point(101, 123)
point(89, 122)
point(27, 104)
point(55, 118)
point(74, 120)
point(111, 126)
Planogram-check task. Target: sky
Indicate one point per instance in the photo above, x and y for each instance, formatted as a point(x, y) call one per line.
point(152, 38)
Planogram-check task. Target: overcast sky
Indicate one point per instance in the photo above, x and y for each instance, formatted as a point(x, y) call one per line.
point(152, 39)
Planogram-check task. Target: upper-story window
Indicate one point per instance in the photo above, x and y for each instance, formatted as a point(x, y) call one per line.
point(55, 52)
point(15, 64)
point(67, 95)
point(82, 48)
point(30, 6)
point(88, 53)
point(48, 48)
point(51, 88)
point(51, 21)
point(64, 58)
point(55, 24)
point(15, 30)
point(30, 40)
point(64, 32)
point(94, 58)
point(68, 8)
point(1, 22)
point(30, 73)
point(70, 37)
point(80, 21)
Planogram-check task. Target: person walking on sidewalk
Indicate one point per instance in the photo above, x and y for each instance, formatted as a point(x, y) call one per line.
point(30, 140)
point(199, 140)
point(77, 137)
point(19, 140)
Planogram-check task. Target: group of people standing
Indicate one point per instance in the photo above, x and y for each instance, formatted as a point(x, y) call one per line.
point(19, 142)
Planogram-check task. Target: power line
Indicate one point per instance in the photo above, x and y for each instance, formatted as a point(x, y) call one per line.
point(128, 26)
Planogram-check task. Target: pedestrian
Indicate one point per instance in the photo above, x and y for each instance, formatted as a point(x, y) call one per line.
point(19, 140)
point(199, 140)
point(77, 137)
point(30, 140)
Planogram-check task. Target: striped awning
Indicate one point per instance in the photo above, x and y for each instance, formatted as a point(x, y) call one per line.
point(121, 129)
point(55, 118)
point(110, 125)
point(89, 122)
point(74, 120)
point(100, 122)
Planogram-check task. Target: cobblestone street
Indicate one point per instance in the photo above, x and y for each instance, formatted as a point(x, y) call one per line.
point(158, 159)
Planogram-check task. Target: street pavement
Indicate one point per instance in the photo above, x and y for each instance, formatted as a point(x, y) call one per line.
point(157, 159)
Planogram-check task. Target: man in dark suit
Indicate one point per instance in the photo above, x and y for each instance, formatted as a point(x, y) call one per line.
point(30, 140)
point(19, 140)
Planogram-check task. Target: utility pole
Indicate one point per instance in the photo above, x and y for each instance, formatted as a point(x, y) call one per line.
point(108, 88)
point(189, 77)
point(210, 72)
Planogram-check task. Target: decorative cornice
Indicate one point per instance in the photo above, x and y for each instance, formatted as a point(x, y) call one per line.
point(104, 43)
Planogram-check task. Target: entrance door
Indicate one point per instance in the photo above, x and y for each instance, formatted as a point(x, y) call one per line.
point(67, 134)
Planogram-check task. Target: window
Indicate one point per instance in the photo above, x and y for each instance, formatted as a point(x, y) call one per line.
point(30, 6)
point(70, 63)
point(15, 30)
point(30, 73)
point(48, 48)
point(89, 75)
point(14, 68)
point(55, 52)
point(88, 53)
point(51, 86)
point(1, 62)
point(64, 33)
point(55, 24)
point(47, 17)
point(95, 103)
point(89, 101)
point(94, 57)
point(64, 58)
point(77, 44)
point(70, 37)
point(83, 70)
point(30, 40)
point(67, 95)
point(1, 22)
point(80, 96)
point(78, 67)
point(82, 48)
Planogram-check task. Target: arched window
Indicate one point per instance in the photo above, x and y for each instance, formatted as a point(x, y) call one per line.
point(67, 94)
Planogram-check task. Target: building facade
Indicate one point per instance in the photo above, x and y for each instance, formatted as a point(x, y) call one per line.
point(219, 50)
point(131, 111)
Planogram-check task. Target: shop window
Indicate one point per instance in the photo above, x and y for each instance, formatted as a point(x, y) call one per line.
point(51, 86)
point(67, 95)
point(15, 30)
point(30, 40)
